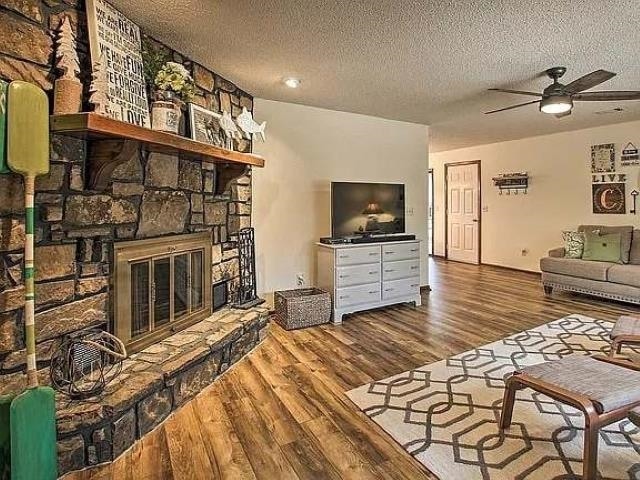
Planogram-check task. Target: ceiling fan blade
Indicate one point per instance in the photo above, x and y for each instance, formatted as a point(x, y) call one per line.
point(606, 96)
point(518, 92)
point(562, 115)
point(590, 80)
point(512, 107)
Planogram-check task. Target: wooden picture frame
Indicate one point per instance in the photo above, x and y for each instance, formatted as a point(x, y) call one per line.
point(204, 126)
point(119, 50)
point(603, 158)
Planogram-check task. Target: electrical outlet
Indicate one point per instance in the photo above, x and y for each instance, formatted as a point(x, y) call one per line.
point(525, 252)
point(300, 280)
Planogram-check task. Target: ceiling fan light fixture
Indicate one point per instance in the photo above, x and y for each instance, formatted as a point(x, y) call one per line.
point(556, 104)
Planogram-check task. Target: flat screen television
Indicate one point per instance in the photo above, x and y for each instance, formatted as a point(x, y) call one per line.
point(366, 208)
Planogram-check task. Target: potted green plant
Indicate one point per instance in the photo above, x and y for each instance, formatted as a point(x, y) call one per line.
point(174, 87)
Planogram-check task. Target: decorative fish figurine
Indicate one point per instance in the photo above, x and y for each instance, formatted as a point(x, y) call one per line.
point(229, 128)
point(249, 126)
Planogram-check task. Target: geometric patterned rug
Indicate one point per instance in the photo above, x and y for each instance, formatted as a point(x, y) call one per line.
point(446, 414)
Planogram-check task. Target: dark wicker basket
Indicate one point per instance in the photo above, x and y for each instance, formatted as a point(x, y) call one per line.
point(302, 308)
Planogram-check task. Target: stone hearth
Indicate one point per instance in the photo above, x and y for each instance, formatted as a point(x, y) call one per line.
point(154, 382)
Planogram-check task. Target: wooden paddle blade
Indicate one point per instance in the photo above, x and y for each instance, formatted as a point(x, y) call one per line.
point(3, 134)
point(28, 129)
point(517, 92)
point(33, 435)
point(606, 96)
point(512, 107)
point(5, 437)
point(589, 80)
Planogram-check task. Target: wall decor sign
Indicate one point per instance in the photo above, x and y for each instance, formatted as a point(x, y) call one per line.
point(115, 41)
point(629, 155)
point(603, 158)
point(609, 178)
point(609, 198)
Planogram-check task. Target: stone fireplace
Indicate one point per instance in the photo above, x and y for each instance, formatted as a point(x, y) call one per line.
point(137, 256)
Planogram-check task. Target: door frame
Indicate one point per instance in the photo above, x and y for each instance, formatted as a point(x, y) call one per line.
point(431, 187)
point(446, 205)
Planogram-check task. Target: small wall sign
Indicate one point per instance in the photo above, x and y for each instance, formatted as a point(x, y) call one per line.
point(603, 158)
point(629, 155)
point(115, 41)
point(609, 198)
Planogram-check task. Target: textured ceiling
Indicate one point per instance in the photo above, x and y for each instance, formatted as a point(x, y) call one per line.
point(422, 61)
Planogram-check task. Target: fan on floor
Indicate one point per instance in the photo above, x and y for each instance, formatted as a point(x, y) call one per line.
point(557, 98)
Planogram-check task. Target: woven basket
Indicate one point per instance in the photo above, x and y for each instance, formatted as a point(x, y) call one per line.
point(302, 308)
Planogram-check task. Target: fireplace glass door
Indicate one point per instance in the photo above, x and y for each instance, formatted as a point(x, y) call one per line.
point(160, 289)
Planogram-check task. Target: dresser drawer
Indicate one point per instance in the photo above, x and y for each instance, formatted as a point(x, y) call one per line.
point(356, 256)
point(400, 288)
point(400, 251)
point(357, 295)
point(400, 269)
point(357, 275)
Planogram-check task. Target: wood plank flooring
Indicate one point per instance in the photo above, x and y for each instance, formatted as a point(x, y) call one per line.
point(281, 413)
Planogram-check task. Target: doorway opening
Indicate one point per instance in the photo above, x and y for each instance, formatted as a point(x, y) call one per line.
point(463, 217)
point(430, 223)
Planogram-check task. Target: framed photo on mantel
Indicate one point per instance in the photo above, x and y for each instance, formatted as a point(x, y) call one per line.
point(116, 43)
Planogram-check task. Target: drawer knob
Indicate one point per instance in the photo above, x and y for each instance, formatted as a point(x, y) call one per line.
point(344, 256)
point(389, 271)
point(374, 254)
point(343, 297)
point(389, 252)
point(373, 292)
point(414, 250)
point(344, 276)
point(414, 268)
point(415, 286)
point(373, 273)
point(389, 289)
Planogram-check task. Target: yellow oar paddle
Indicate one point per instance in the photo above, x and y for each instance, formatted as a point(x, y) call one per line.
point(32, 413)
point(3, 128)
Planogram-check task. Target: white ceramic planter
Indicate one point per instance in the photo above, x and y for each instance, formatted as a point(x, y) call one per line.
point(165, 116)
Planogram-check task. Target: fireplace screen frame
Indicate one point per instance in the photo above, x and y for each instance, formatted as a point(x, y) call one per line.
point(151, 250)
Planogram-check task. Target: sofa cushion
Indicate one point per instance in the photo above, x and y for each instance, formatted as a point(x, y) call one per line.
point(634, 255)
point(626, 234)
point(625, 274)
point(573, 244)
point(602, 248)
point(576, 268)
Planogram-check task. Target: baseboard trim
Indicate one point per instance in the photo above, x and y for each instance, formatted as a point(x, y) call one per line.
point(513, 269)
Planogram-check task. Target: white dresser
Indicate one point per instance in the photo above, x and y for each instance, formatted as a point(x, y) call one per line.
point(364, 276)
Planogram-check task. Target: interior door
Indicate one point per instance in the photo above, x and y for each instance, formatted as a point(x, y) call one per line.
point(463, 216)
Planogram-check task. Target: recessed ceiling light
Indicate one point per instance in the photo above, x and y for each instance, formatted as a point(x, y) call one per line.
point(292, 82)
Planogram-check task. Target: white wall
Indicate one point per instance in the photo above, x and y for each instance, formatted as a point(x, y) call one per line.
point(559, 196)
point(306, 149)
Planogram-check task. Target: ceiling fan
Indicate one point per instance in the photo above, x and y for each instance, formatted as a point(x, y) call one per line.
point(557, 98)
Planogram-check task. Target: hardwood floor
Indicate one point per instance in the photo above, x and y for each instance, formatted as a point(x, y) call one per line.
point(281, 413)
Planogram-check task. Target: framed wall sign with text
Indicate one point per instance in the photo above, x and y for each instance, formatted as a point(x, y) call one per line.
point(603, 158)
point(116, 42)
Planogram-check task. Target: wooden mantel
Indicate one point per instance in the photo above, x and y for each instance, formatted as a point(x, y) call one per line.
point(112, 142)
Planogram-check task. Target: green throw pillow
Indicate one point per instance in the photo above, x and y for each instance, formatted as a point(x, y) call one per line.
point(602, 248)
point(573, 244)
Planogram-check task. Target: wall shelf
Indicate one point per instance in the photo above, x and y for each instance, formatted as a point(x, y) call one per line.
point(112, 142)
